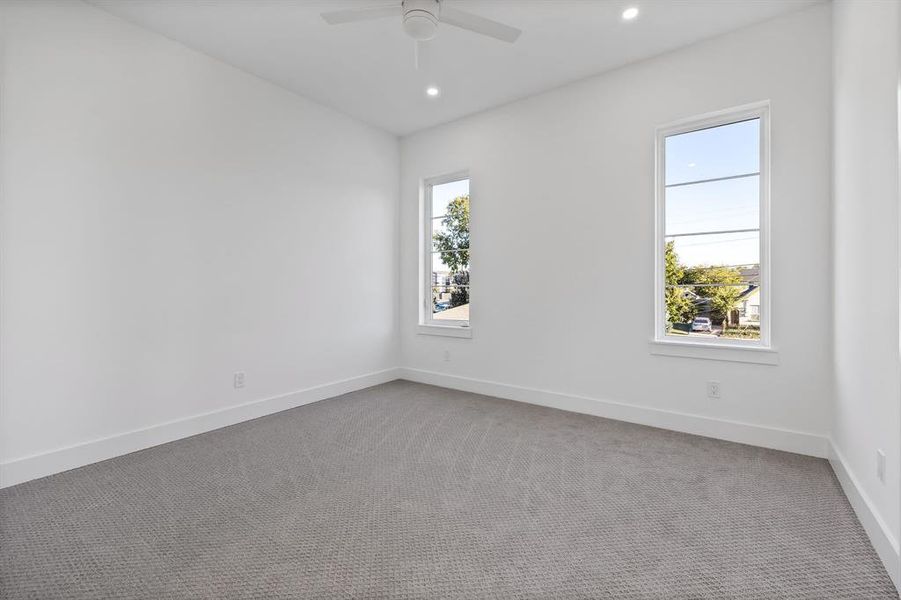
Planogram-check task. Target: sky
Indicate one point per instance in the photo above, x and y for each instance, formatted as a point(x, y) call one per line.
point(714, 206)
point(444, 193)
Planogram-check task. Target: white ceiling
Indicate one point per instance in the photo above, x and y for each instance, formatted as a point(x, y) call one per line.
point(366, 69)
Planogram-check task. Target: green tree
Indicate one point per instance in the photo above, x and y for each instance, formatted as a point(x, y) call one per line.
point(724, 297)
point(679, 308)
point(453, 245)
point(453, 242)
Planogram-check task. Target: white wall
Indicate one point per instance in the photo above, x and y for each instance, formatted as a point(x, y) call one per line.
point(563, 225)
point(866, 248)
point(168, 220)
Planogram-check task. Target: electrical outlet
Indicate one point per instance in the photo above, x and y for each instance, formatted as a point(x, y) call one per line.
point(446, 355)
point(239, 380)
point(713, 390)
point(880, 465)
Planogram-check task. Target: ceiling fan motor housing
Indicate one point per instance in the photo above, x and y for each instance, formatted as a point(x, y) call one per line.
point(421, 19)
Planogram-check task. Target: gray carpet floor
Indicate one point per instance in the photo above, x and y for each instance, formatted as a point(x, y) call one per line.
point(409, 491)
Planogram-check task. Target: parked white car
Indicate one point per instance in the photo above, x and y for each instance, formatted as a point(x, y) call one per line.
point(701, 324)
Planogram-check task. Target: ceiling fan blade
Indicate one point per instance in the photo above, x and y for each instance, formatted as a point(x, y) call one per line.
point(471, 22)
point(352, 15)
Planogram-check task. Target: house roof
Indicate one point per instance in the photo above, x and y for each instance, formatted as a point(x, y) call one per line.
point(752, 289)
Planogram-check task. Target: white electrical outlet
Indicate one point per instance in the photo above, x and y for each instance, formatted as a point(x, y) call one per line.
point(880, 465)
point(239, 380)
point(713, 390)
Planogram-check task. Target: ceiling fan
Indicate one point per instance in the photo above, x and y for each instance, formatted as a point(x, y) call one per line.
point(422, 17)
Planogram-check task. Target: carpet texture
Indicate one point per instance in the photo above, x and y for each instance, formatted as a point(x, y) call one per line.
point(409, 491)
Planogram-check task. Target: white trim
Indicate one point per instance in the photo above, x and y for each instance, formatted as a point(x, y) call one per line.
point(30, 467)
point(881, 536)
point(757, 110)
point(714, 351)
point(425, 287)
point(799, 442)
point(456, 331)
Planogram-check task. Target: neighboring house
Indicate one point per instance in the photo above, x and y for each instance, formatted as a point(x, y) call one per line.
point(750, 274)
point(748, 307)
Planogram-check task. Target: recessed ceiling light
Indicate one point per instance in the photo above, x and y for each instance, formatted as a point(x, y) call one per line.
point(432, 91)
point(630, 13)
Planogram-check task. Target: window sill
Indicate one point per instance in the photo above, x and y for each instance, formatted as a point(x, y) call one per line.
point(445, 330)
point(706, 351)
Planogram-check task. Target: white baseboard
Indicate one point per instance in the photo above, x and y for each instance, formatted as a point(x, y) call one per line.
point(882, 538)
point(62, 459)
point(733, 431)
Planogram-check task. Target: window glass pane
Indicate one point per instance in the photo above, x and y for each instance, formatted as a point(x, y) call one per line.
point(713, 310)
point(450, 262)
point(713, 206)
point(451, 232)
point(449, 251)
point(722, 151)
point(712, 280)
point(450, 303)
point(445, 193)
point(721, 249)
point(439, 233)
point(461, 278)
point(450, 287)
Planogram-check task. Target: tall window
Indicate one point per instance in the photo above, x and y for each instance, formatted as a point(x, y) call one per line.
point(712, 202)
point(446, 297)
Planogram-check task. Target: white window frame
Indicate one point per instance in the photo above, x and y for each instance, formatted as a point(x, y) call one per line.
point(755, 351)
point(427, 324)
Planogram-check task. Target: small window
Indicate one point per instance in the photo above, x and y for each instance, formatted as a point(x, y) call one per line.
point(446, 253)
point(712, 239)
